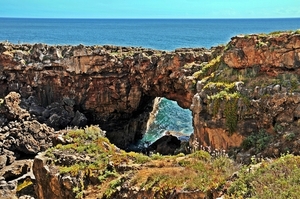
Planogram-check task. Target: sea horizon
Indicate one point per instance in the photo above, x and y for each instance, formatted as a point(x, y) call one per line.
point(159, 18)
point(156, 33)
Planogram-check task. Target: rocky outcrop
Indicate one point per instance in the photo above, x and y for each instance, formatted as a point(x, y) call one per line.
point(58, 115)
point(270, 52)
point(112, 86)
point(166, 145)
point(245, 95)
point(20, 133)
point(250, 95)
point(22, 137)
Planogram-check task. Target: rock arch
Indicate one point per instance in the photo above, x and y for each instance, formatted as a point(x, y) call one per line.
point(113, 86)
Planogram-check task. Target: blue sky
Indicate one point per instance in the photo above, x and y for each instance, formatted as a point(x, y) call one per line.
point(150, 8)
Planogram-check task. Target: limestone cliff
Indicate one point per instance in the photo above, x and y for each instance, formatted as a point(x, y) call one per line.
point(112, 86)
point(249, 85)
point(250, 95)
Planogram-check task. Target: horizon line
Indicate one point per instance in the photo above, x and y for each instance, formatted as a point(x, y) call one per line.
point(145, 18)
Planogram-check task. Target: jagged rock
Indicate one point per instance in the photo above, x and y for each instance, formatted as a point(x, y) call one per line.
point(7, 189)
point(297, 111)
point(12, 102)
point(22, 137)
point(107, 84)
point(16, 169)
point(166, 145)
point(267, 51)
point(3, 160)
point(58, 188)
point(36, 110)
point(79, 119)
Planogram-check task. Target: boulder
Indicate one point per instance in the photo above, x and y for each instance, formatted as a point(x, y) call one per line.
point(79, 119)
point(166, 145)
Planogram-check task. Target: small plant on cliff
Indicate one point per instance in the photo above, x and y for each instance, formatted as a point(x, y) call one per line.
point(230, 108)
point(297, 31)
point(209, 68)
point(1, 102)
point(276, 33)
point(139, 158)
point(27, 182)
point(261, 44)
point(289, 136)
point(107, 174)
point(113, 185)
point(231, 114)
point(290, 81)
point(258, 141)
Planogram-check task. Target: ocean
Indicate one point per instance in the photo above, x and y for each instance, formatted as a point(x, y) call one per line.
point(162, 34)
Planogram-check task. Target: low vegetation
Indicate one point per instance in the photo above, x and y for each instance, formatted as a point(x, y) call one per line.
point(198, 171)
point(259, 141)
point(269, 179)
point(208, 68)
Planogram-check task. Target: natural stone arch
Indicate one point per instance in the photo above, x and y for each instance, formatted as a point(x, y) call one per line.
point(113, 86)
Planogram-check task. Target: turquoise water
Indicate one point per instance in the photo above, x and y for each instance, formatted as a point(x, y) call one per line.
point(170, 117)
point(163, 34)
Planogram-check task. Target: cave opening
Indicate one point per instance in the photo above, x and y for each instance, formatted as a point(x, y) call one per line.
point(166, 118)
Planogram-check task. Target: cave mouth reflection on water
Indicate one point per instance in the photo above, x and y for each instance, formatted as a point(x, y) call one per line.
point(166, 116)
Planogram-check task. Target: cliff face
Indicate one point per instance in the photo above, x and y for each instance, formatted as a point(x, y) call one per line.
point(112, 86)
point(270, 52)
point(249, 85)
point(250, 96)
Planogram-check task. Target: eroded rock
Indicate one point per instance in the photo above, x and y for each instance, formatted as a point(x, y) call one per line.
point(22, 138)
point(111, 86)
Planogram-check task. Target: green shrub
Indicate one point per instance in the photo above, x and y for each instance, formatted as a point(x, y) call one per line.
point(106, 175)
point(278, 179)
point(289, 136)
point(258, 140)
point(209, 68)
point(113, 187)
point(201, 155)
